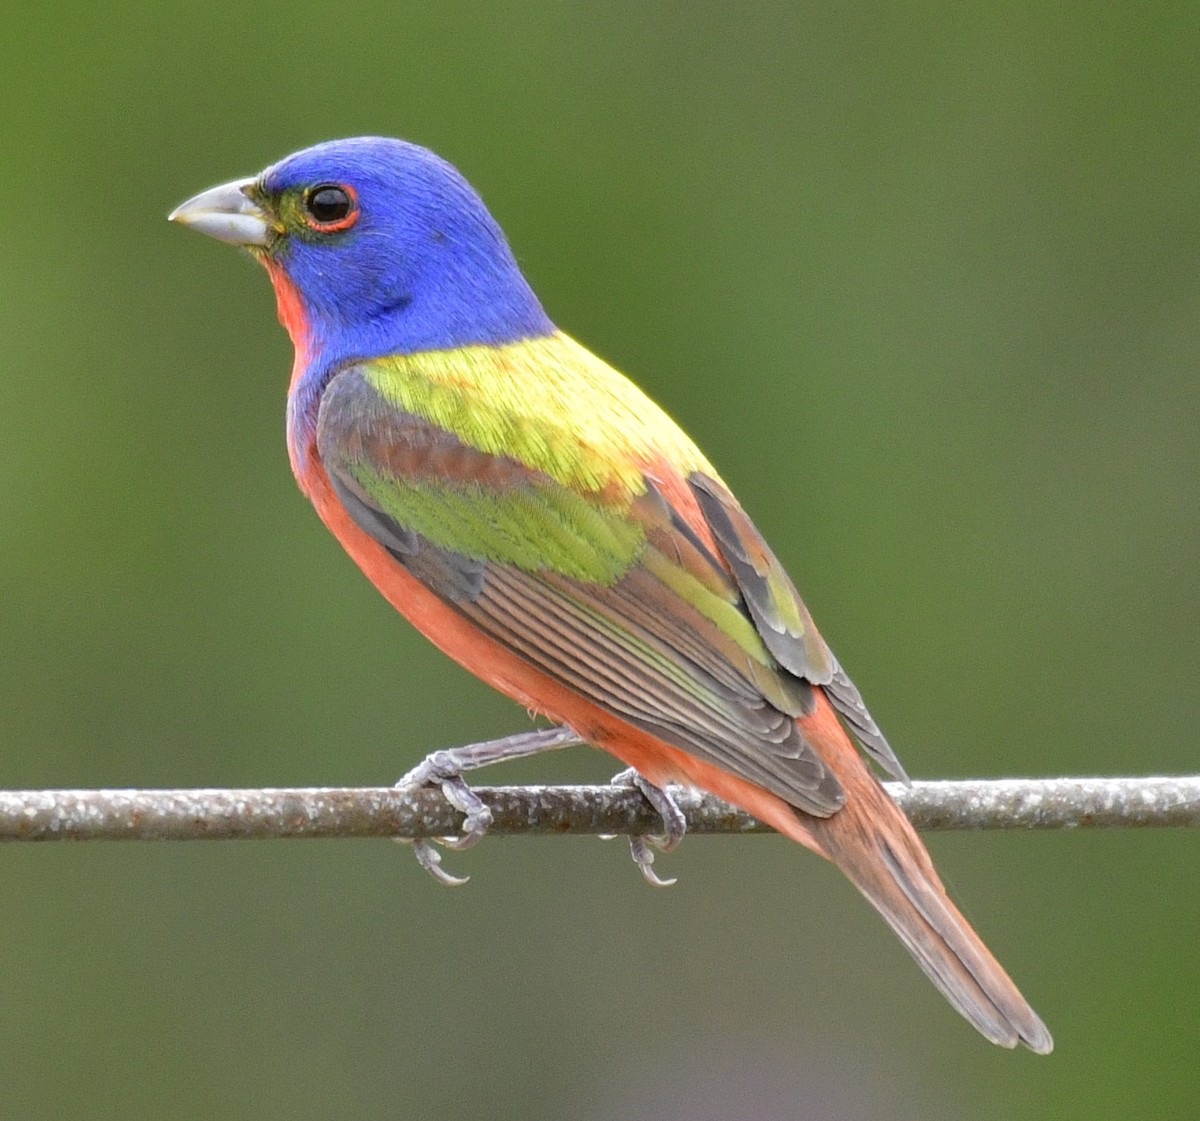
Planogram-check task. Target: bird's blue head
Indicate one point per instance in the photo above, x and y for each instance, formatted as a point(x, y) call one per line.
point(375, 246)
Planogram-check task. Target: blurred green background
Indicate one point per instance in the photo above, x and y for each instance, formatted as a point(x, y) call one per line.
point(921, 279)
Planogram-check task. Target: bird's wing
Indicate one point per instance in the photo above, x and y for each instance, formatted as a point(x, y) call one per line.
point(781, 617)
point(612, 594)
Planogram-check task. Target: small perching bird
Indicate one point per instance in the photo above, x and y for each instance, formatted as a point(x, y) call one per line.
point(549, 527)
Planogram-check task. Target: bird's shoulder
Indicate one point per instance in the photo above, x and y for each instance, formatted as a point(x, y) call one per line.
point(547, 403)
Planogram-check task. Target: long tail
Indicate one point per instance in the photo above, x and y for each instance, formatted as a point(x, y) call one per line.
point(873, 843)
point(890, 866)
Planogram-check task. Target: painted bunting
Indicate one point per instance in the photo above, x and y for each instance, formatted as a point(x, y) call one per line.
point(542, 521)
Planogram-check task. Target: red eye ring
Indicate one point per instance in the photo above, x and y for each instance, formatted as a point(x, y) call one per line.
point(330, 207)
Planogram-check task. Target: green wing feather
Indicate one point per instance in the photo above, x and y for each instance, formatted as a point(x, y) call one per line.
point(606, 590)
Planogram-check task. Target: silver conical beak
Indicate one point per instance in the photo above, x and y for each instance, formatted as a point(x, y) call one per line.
point(226, 213)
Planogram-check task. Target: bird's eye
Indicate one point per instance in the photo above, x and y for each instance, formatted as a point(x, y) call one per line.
point(330, 207)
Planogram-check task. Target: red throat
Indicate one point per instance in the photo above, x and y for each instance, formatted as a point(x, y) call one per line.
point(292, 315)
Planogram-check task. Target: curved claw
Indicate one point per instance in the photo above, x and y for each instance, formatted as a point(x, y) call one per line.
point(674, 825)
point(643, 857)
point(431, 860)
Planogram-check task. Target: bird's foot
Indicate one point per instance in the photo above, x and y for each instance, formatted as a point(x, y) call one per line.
point(444, 769)
point(641, 847)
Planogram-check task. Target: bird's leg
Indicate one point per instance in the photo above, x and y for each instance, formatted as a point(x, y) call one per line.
point(674, 825)
point(445, 770)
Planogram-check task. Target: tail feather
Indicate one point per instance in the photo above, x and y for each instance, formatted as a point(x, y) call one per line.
point(878, 850)
point(943, 944)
